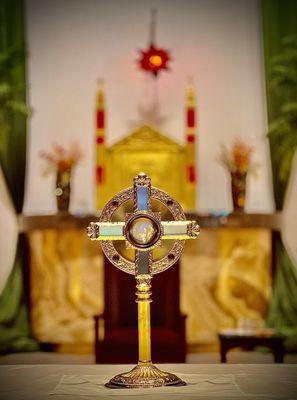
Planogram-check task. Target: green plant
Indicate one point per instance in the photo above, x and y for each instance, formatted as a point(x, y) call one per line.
point(11, 101)
point(283, 129)
point(9, 91)
point(12, 93)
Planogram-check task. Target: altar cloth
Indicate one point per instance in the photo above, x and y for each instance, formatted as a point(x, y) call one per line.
point(249, 382)
point(199, 384)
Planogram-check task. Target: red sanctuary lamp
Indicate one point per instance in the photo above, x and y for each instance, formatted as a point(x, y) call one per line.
point(153, 59)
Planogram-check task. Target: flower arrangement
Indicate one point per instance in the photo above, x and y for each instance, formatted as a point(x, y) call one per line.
point(237, 161)
point(61, 162)
point(61, 159)
point(238, 158)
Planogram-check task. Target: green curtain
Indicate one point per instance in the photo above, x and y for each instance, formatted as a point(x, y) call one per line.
point(14, 325)
point(280, 25)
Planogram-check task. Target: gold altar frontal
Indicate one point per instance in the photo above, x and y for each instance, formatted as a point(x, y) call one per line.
point(224, 276)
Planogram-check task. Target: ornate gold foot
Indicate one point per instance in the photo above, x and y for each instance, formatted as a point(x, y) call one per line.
point(144, 376)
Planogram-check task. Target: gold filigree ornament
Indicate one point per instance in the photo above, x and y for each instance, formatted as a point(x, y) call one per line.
point(151, 246)
point(193, 229)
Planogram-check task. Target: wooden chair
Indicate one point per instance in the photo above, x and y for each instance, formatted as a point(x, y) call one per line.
point(120, 340)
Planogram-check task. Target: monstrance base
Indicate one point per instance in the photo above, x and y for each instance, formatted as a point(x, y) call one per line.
point(144, 376)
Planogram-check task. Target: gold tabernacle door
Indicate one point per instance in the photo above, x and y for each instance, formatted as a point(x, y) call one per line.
point(147, 149)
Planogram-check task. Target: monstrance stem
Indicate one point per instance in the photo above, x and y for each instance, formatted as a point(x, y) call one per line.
point(144, 318)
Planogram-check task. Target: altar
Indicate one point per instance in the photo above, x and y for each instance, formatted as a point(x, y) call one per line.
point(210, 381)
point(220, 281)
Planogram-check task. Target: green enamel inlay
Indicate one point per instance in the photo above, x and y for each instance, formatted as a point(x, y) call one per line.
point(111, 230)
point(175, 229)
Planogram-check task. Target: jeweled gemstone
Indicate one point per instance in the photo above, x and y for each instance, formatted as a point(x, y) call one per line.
point(143, 231)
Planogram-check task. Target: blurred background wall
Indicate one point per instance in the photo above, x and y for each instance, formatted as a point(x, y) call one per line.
point(72, 43)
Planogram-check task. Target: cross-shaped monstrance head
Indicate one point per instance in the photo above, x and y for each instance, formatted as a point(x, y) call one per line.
point(133, 217)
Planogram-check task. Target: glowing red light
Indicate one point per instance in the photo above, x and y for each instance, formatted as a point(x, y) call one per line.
point(153, 60)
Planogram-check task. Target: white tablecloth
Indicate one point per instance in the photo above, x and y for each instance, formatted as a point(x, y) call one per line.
point(71, 382)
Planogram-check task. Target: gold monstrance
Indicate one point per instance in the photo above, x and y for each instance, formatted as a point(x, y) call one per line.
point(143, 256)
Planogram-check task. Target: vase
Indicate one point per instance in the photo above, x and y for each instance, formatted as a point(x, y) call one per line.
point(238, 187)
point(63, 190)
